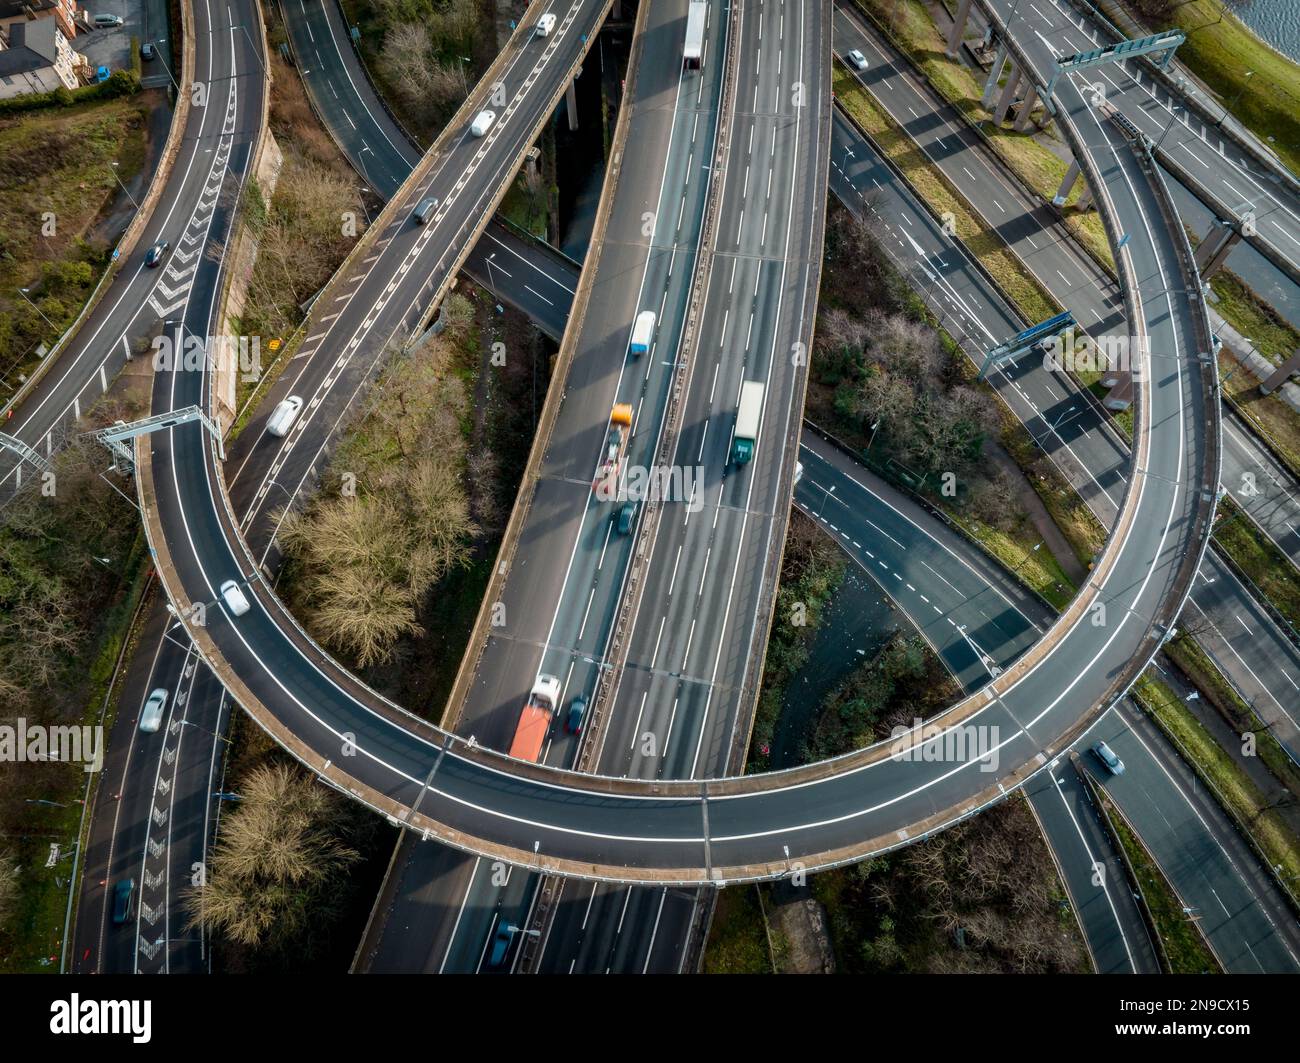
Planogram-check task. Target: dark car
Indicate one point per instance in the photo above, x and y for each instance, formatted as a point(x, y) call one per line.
point(123, 895)
point(626, 515)
point(154, 255)
point(501, 944)
point(425, 211)
point(577, 709)
point(147, 52)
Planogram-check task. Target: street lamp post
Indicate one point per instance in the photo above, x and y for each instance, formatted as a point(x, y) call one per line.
point(163, 40)
point(1235, 100)
point(23, 292)
point(117, 177)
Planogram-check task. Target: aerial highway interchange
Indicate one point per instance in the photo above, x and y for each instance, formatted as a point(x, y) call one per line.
point(712, 219)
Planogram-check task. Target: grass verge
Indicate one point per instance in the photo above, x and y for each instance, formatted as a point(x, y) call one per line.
point(737, 942)
point(1206, 677)
point(1238, 794)
point(1183, 944)
point(1254, 553)
point(1270, 418)
point(57, 178)
point(1221, 52)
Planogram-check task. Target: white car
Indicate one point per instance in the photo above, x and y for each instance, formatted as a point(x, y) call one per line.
point(857, 60)
point(236, 600)
point(545, 24)
point(483, 122)
point(152, 714)
point(283, 416)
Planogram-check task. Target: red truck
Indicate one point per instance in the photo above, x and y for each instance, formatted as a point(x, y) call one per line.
point(535, 720)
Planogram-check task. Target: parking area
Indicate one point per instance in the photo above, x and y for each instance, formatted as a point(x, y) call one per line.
point(143, 21)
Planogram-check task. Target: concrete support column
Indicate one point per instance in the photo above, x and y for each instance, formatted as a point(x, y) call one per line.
point(571, 99)
point(1008, 94)
point(995, 71)
point(1063, 193)
point(958, 28)
point(1213, 250)
point(1120, 395)
point(1027, 108)
point(1085, 197)
point(1284, 373)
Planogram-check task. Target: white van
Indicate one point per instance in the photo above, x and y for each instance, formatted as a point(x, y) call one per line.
point(283, 416)
point(106, 21)
point(152, 714)
point(643, 333)
point(483, 122)
point(545, 24)
point(236, 601)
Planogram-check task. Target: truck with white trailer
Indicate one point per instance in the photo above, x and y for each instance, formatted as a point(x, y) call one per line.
point(748, 416)
point(696, 16)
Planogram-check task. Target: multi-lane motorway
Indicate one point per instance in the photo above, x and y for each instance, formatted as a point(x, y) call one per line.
point(144, 827)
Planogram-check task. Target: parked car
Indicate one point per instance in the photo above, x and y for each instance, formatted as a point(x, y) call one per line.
point(857, 60)
point(154, 256)
point(236, 599)
point(123, 900)
point(500, 944)
point(283, 416)
point(577, 710)
point(151, 716)
point(1107, 756)
point(102, 74)
point(148, 52)
point(545, 24)
point(103, 22)
point(483, 122)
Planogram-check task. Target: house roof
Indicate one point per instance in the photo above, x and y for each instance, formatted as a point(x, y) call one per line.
point(32, 46)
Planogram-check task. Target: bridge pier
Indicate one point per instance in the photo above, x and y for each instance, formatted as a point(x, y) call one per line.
point(1213, 250)
point(571, 101)
point(1008, 94)
point(1283, 373)
point(995, 71)
point(1063, 193)
point(1084, 201)
point(958, 28)
point(1026, 114)
point(1120, 395)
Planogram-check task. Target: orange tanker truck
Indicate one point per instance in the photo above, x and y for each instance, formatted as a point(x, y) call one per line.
point(605, 484)
point(535, 720)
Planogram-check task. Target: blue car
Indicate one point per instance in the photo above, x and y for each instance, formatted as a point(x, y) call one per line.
point(123, 894)
point(101, 74)
point(577, 709)
point(500, 944)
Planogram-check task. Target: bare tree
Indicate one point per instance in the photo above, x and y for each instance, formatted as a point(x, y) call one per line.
point(277, 864)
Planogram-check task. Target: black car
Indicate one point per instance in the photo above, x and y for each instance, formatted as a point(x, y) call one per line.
point(154, 255)
point(147, 52)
